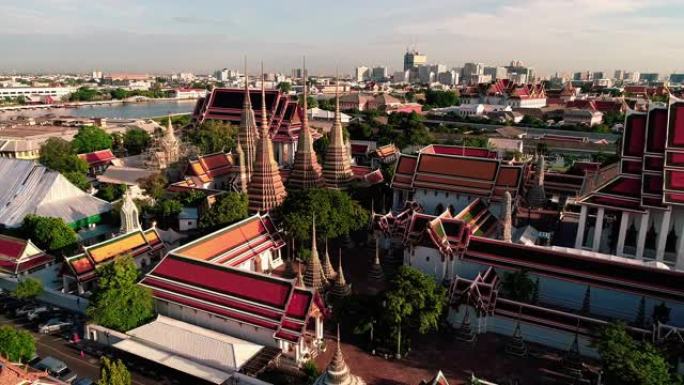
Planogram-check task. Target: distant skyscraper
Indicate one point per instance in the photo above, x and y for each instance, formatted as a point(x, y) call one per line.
point(470, 69)
point(379, 73)
point(448, 78)
point(632, 76)
point(401, 76)
point(362, 74)
point(649, 77)
point(496, 72)
point(519, 68)
point(598, 75)
point(413, 59)
point(677, 78)
point(619, 75)
point(426, 75)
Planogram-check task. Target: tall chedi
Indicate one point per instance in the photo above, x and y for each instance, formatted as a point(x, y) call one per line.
point(306, 172)
point(248, 134)
point(337, 372)
point(337, 170)
point(266, 190)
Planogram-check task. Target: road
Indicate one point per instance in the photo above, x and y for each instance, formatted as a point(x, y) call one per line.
point(55, 346)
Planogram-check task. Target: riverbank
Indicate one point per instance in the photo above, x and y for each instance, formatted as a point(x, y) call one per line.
point(106, 109)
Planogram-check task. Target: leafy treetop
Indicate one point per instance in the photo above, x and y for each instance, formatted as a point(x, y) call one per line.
point(229, 208)
point(336, 213)
point(113, 372)
point(16, 345)
point(118, 302)
point(28, 288)
point(48, 232)
point(91, 138)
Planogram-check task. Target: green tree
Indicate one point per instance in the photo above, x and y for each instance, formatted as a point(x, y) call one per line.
point(136, 141)
point(436, 98)
point(311, 102)
point(414, 302)
point(58, 154)
point(84, 94)
point(113, 372)
point(118, 302)
point(78, 179)
point(154, 185)
point(336, 213)
point(16, 345)
point(284, 87)
point(48, 232)
point(310, 371)
point(213, 136)
point(475, 141)
point(111, 192)
point(28, 288)
point(628, 362)
point(91, 138)
point(166, 210)
point(517, 286)
point(229, 208)
point(118, 93)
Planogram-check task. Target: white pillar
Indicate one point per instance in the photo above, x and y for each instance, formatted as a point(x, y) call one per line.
point(662, 236)
point(580, 228)
point(643, 229)
point(624, 220)
point(319, 328)
point(679, 265)
point(598, 229)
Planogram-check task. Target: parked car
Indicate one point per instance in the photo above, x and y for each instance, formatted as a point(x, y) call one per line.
point(24, 310)
point(83, 381)
point(34, 360)
point(55, 325)
point(36, 312)
point(10, 304)
point(56, 368)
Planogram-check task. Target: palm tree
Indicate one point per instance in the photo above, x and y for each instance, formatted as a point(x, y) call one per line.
point(518, 286)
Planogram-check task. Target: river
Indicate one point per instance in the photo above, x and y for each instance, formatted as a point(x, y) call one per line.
point(115, 111)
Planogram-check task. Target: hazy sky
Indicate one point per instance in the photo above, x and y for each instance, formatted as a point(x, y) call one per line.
point(203, 35)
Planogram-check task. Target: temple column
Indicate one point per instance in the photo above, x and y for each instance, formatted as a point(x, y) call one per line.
point(319, 328)
point(580, 228)
point(679, 264)
point(598, 229)
point(624, 221)
point(643, 229)
point(662, 236)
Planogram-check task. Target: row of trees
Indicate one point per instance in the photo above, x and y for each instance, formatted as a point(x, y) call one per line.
point(402, 129)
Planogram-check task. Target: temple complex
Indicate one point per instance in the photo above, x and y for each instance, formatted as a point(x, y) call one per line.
point(129, 214)
point(306, 172)
point(165, 151)
point(248, 133)
point(266, 190)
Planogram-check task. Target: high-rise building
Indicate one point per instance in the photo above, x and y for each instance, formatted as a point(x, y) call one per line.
point(496, 72)
point(448, 78)
point(222, 75)
point(413, 59)
point(650, 77)
point(426, 75)
point(597, 75)
point(401, 76)
point(633, 77)
point(516, 67)
point(470, 69)
point(677, 78)
point(619, 75)
point(362, 74)
point(379, 73)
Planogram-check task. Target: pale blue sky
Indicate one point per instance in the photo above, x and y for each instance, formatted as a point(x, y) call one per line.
point(203, 35)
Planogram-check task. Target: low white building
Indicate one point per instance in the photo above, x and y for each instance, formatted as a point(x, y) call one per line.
point(583, 117)
point(14, 92)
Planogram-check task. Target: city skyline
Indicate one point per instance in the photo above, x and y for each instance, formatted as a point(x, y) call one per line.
point(156, 36)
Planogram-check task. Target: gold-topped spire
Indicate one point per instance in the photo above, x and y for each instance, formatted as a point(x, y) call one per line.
point(306, 172)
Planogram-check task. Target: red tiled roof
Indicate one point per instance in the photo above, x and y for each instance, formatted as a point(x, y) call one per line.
point(19, 255)
point(11, 247)
point(257, 299)
point(235, 244)
point(97, 157)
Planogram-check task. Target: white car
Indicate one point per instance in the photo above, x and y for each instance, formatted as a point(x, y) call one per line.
point(54, 325)
point(35, 313)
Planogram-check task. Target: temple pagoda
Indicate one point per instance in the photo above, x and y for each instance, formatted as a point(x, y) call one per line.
point(306, 172)
point(536, 196)
point(313, 276)
point(337, 170)
point(340, 287)
point(516, 345)
point(266, 190)
point(507, 221)
point(327, 266)
point(337, 372)
point(376, 276)
point(248, 133)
